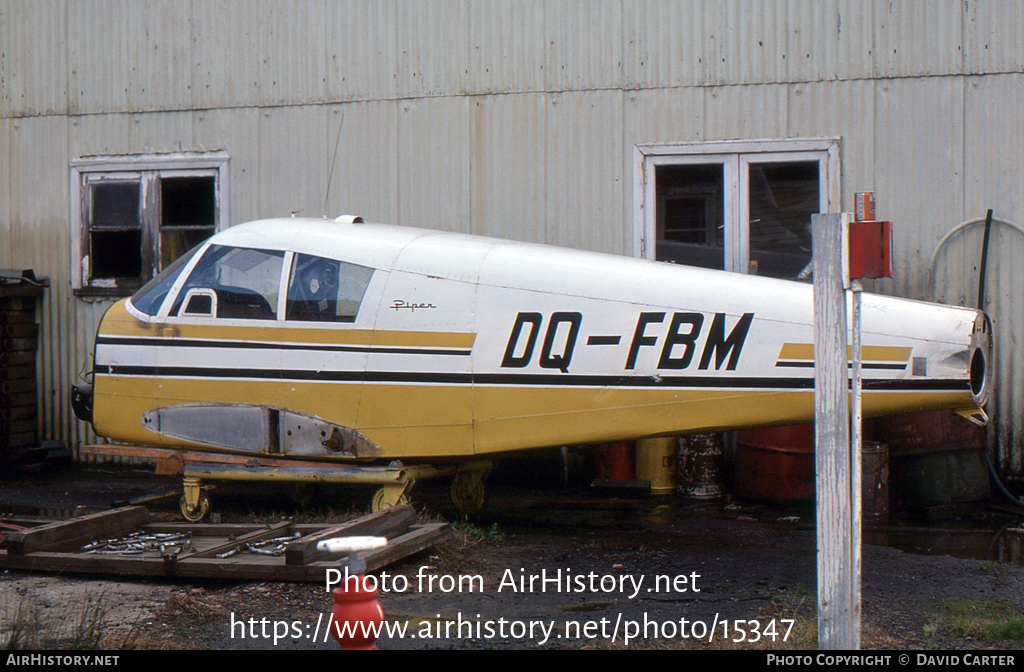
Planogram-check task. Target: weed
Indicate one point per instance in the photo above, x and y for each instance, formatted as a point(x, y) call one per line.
point(78, 627)
point(992, 620)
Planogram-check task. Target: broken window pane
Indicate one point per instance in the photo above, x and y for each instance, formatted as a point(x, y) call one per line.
point(188, 201)
point(188, 214)
point(690, 215)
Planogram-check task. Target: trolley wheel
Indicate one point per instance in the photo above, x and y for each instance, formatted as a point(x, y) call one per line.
point(380, 501)
point(468, 493)
point(194, 515)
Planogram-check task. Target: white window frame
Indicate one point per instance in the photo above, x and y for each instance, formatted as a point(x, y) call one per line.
point(146, 168)
point(735, 156)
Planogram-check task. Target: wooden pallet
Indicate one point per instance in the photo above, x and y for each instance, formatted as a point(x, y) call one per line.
point(57, 547)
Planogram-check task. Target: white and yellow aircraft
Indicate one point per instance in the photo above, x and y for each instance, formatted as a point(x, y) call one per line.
point(348, 342)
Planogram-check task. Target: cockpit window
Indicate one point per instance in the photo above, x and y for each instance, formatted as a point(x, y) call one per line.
point(152, 295)
point(244, 281)
point(325, 290)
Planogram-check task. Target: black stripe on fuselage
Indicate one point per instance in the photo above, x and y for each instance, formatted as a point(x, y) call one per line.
point(521, 379)
point(256, 345)
point(864, 365)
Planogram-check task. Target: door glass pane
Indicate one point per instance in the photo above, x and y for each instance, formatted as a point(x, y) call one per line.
point(690, 215)
point(325, 290)
point(782, 198)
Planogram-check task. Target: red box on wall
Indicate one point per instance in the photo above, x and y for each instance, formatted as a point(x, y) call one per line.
point(870, 250)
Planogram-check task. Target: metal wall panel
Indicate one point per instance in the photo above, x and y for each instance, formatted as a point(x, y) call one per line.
point(39, 192)
point(663, 43)
point(584, 172)
point(292, 67)
point(433, 163)
point(918, 37)
point(6, 228)
point(919, 127)
point(432, 37)
point(159, 52)
point(663, 115)
point(506, 49)
point(507, 169)
point(293, 161)
point(98, 67)
point(796, 41)
point(750, 111)
point(227, 52)
point(992, 36)
point(270, 52)
point(34, 54)
point(91, 134)
point(584, 44)
point(993, 136)
point(157, 132)
point(362, 49)
point(6, 25)
point(366, 170)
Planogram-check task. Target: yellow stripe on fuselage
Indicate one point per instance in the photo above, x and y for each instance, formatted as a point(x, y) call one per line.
point(119, 322)
point(874, 353)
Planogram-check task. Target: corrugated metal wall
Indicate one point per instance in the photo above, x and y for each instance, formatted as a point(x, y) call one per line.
point(517, 119)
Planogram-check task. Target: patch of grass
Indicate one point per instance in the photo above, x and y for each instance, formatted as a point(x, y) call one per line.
point(471, 535)
point(20, 625)
point(992, 620)
point(70, 626)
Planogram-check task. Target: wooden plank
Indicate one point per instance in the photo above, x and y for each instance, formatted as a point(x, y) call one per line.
point(77, 531)
point(12, 296)
point(16, 344)
point(18, 412)
point(17, 372)
point(258, 535)
point(23, 386)
point(229, 529)
point(388, 523)
point(200, 456)
point(414, 541)
point(838, 607)
point(13, 358)
point(12, 317)
point(29, 330)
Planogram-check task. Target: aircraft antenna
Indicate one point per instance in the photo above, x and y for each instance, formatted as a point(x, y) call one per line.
point(330, 176)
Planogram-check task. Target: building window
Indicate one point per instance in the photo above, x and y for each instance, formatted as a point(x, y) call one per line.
point(735, 205)
point(132, 216)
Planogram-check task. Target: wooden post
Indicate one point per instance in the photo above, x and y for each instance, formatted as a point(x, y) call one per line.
point(836, 610)
point(856, 458)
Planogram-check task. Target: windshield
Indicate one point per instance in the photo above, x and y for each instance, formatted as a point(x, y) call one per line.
point(149, 299)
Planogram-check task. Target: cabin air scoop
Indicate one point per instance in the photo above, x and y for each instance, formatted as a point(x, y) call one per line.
point(357, 342)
